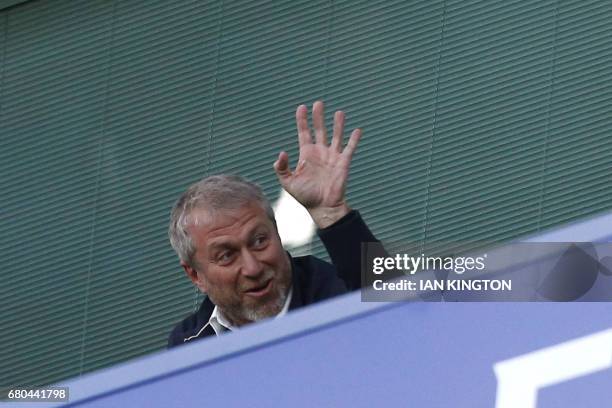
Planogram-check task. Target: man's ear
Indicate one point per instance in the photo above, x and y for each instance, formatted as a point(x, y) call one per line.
point(194, 277)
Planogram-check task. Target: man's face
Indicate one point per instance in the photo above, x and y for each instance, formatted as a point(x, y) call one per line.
point(240, 263)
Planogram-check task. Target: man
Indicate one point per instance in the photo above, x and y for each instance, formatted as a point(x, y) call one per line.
point(225, 235)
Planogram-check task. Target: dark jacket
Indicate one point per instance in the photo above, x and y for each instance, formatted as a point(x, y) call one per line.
point(313, 279)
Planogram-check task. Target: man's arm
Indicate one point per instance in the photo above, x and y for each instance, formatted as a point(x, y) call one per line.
point(319, 184)
point(343, 241)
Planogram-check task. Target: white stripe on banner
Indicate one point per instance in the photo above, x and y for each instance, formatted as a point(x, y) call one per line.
point(520, 378)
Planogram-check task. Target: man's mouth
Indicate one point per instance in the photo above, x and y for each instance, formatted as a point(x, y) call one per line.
point(259, 290)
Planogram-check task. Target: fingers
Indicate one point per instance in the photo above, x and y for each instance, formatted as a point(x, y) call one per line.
point(318, 122)
point(351, 146)
point(336, 143)
point(301, 120)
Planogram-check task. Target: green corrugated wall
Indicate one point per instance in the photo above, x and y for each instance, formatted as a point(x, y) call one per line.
point(483, 120)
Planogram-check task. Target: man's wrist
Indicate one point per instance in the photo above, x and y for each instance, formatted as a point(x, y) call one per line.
point(326, 216)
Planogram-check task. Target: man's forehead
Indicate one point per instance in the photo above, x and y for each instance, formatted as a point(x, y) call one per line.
point(208, 224)
point(202, 217)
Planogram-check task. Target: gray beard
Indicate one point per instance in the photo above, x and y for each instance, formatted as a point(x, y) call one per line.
point(265, 311)
point(268, 310)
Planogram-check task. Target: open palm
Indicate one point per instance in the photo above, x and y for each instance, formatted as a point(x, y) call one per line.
point(319, 179)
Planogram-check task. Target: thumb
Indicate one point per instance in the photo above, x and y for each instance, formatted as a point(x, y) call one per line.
point(281, 167)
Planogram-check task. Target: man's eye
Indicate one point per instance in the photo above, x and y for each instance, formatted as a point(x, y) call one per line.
point(225, 257)
point(260, 241)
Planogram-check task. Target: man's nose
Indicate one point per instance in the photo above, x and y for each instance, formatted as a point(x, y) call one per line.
point(251, 266)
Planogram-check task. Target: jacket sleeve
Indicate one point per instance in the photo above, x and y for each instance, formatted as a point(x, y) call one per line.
point(343, 241)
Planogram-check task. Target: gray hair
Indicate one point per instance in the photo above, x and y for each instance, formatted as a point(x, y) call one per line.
point(213, 193)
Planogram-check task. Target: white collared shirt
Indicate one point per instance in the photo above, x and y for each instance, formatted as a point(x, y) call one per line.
point(220, 324)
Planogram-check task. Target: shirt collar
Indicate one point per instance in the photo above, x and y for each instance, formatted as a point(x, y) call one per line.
point(220, 323)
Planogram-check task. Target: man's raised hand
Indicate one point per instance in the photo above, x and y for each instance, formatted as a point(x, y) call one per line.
point(319, 179)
